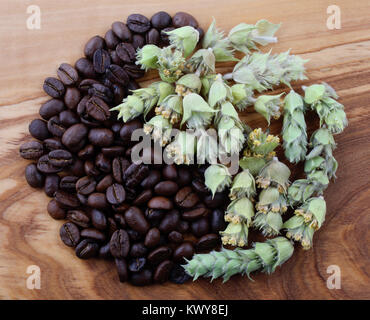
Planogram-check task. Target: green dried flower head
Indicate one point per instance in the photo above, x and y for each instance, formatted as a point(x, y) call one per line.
point(184, 39)
point(242, 96)
point(244, 37)
point(207, 82)
point(170, 64)
point(130, 108)
point(188, 83)
point(217, 178)
point(240, 210)
point(171, 108)
point(243, 185)
point(268, 106)
point(294, 128)
point(274, 173)
point(160, 129)
point(163, 89)
point(219, 92)
point(202, 62)
point(182, 148)
point(230, 135)
point(235, 234)
point(207, 146)
point(148, 96)
point(147, 57)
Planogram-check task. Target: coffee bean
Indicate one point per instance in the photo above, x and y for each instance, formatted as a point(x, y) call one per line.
point(51, 108)
point(152, 36)
point(44, 166)
point(101, 60)
point(133, 70)
point(141, 278)
point(67, 74)
point(85, 68)
point(68, 118)
point(101, 91)
point(68, 183)
point(53, 144)
point(72, 98)
point(112, 226)
point(160, 203)
point(60, 158)
point(122, 31)
point(84, 87)
point(128, 128)
point(138, 41)
point(217, 201)
point(199, 186)
point(154, 214)
point(119, 94)
point(135, 174)
point(98, 219)
point(199, 227)
point(151, 180)
point(152, 238)
point(119, 166)
point(135, 219)
point(121, 266)
point(133, 85)
point(93, 234)
point(182, 19)
point(162, 272)
point(126, 52)
point(55, 127)
point(143, 198)
point(31, 150)
point(138, 250)
point(183, 227)
point(161, 20)
point(87, 249)
point(54, 87)
point(115, 58)
point(66, 200)
point(79, 218)
point(82, 199)
point(170, 221)
point(218, 221)
point(104, 252)
point(38, 129)
point(90, 169)
point(208, 242)
point(178, 274)
point(136, 264)
point(104, 183)
point(184, 250)
point(92, 45)
point(73, 138)
point(97, 109)
point(117, 75)
point(175, 237)
point(138, 23)
point(169, 172)
point(120, 244)
point(159, 254)
point(113, 151)
point(77, 168)
point(116, 194)
point(195, 213)
point(55, 211)
point(97, 200)
point(186, 198)
point(101, 137)
point(164, 36)
point(69, 234)
point(166, 188)
point(120, 220)
point(33, 177)
point(111, 39)
point(184, 177)
point(86, 152)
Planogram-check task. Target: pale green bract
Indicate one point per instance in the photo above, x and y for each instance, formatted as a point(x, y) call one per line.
point(268, 106)
point(184, 39)
point(160, 129)
point(147, 57)
point(130, 108)
point(243, 185)
point(202, 62)
point(196, 111)
point(217, 178)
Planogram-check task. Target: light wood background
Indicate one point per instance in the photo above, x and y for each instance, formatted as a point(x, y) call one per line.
point(28, 236)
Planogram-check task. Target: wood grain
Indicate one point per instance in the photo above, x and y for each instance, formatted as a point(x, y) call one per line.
point(28, 236)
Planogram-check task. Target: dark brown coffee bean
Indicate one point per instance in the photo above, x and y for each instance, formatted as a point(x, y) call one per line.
point(138, 41)
point(134, 235)
point(186, 198)
point(128, 128)
point(55, 127)
point(164, 35)
point(104, 252)
point(175, 237)
point(184, 177)
point(208, 242)
point(90, 169)
point(77, 168)
point(120, 244)
point(170, 221)
point(126, 52)
point(138, 250)
point(134, 71)
point(67, 74)
point(116, 194)
point(143, 198)
point(133, 85)
point(120, 220)
point(68, 118)
point(101, 137)
point(113, 151)
point(121, 266)
point(219, 200)
point(111, 39)
point(119, 166)
point(74, 136)
point(97, 109)
point(152, 36)
point(85, 68)
point(200, 227)
point(69, 234)
point(122, 31)
point(117, 75)
point(178, 274)
point(199, 186)
point(112, 226)
point(84, 87)
point(160, 203)
point(135, 219)
point(31, 150)
point(93, 234)
point(154, 214)
point(162, 272)
point(72, 98)
point(195, 213)
point(66, 200)
point(184, 250)
point(55, 211)
point(182, 19)
point(87, 249)
point(136, 264)
point(169, 172)
point(98, 219)
point(39, 130)
point(166, 188)
point(141, 278)
point(103, 163)
point(68, 183)
point(53, 144)
point(159, 254)
point(115, 58)
point(86, 152)
point(183, 227)
point(152, 238)
point(82, 199)
point(44, 166)
point(218, 221)
point(97, 200)
point(119, 94)
point(151, 180)
point(51, 108)
point(54, 87)
point(101, 60)
point(104, 183)
point(161, 20)
point(92, 45)
point(135, 174)
point(60, 158)
point(138, 23)
point(101, 91)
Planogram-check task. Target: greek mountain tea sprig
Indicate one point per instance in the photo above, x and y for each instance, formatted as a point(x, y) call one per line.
point(182, 149)
point(217, 178)
point(264, 256)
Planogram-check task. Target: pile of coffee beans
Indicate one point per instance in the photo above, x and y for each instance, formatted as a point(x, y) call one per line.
point(147, 218)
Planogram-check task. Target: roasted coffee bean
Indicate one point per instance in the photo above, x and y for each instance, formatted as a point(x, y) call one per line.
point(154, 214)
point(74, 136)
point(160, 203)
point(90, 169)
point(60, 158)
point(77, 168)
point(104, 252)
point(82, 199)
point(116, 127)
point(44, 166)
point(53, 144)
point(55, 211)
point(182, 19)
point(138, 41)
point(183, 227)
point(158, 255)
point(135, 174)
point(152, 238)
point(134, 235)
point(184, 250)
point(101, 60)
point(66, 200)
point(126, 52)
point(120, 220)
point(178, 274)
point(31, 150)
point(84, 86)
point(115, 58)
point(138, 23)
point(208, 242)
point(72, 98)
point(101, 91)
point(54, 87)
point(85, 68)
point(111, 39)
point(39, 130)
point(161, 20)
point(121, 266)
point(68, 183)
point(143, 198)
point(87, 249)
point(133, 85)
point(67, 74)
point(170, 222)
point(196, 213)
point(164, 35)
point(93, 234)
point(113, 151)
point(133, 70)
point(138, 250)
point(101, 137)
point(151, 180)
point(69, 234)
point(134, 217)
point(34, 177)
point(117, 75)
point(97, 109)
point(152, 36)
point(217, 201)
point(92, 45)
point(162, 272)
point(199, 186)
point(175, 237)
point(104, 183)
point(68, 118)
point(136, 264)
point(119, 166)
point(141, 278)
point(184, 177)
point(55, 127)
point(86, 152)
point(166, 188)
point(200, 227)
point(169, 172)
point(116, 194)
point(186, 198)
point(122, 31)
point(217, 221)
point(120, 244)
point(97, 200)
point(119, 94)
point(128, 128)
point(51, 108)
point(103, 163)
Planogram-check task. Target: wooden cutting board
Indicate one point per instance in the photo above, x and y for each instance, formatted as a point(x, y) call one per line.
point(28, 236)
